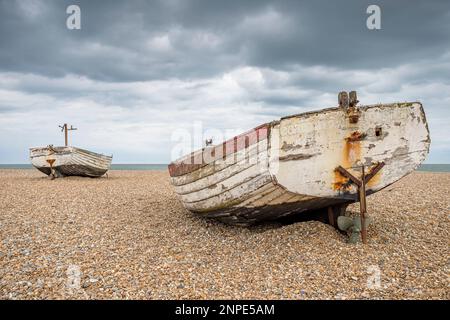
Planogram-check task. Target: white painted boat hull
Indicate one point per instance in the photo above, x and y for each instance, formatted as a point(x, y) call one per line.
point(289, 166)
point(69, 161)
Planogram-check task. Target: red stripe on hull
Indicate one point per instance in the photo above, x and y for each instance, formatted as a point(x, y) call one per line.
point(205, 156)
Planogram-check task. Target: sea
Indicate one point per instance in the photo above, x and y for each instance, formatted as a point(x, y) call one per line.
point(119, 166)
point(432, 167)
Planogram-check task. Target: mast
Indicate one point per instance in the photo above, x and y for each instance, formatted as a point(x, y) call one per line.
point(66, 129)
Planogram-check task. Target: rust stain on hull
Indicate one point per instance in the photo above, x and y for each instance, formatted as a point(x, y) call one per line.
point(355, 136)
point(340, 182)
point(351, 153)
point(376, 179)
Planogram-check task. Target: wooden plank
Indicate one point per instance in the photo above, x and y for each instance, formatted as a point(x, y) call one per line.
point(227, 183)
point(196, 160)
point(220, 169)
point(231, 197)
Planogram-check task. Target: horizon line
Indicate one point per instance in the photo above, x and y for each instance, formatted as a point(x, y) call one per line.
point(148, 163)
point(128, 163)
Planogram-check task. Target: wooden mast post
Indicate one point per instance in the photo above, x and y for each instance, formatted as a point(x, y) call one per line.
point(361, 184)
point(66, 136)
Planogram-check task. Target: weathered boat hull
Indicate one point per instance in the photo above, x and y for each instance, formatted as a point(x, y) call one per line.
point(289, 166)
point(69, 161)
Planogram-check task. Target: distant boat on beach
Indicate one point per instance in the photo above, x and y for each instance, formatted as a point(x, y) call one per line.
point(324, 159)
point(69, 161)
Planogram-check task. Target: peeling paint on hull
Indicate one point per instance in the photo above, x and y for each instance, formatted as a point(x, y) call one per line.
point(69, 161)
point(293, 168)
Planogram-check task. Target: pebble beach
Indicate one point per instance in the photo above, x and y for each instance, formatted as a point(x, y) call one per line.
point(126, 236)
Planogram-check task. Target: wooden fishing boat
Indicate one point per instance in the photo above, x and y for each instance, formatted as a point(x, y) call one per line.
point(323, 159)
point(69, 161)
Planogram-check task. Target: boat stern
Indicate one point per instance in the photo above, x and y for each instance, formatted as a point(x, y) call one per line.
point(45, 159)
point(307, 150)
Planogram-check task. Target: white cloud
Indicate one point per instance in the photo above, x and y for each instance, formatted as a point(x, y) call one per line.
point(160, 43)
point(135, 120)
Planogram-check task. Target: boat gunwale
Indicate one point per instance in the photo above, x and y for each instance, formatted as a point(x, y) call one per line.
point(362, 107)
point(69, 149)
point(180, 162)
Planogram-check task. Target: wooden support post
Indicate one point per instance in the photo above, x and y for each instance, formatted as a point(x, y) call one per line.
point(66, 140)
point(362, 205)
point(343, 100)
point(353, 99)
point(330, 216)
point(361, 185)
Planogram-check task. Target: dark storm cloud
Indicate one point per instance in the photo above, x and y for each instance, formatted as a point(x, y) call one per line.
point(138, 70)
point(144, 40)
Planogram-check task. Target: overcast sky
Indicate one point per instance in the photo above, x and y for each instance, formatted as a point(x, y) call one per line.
point(138, 71)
